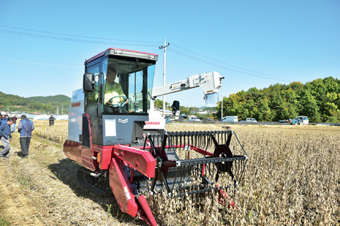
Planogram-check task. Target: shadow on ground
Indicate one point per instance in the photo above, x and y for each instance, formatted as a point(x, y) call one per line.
point(66, 171)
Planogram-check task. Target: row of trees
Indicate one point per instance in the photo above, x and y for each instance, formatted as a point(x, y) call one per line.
point(319, 100)
point(33, 104)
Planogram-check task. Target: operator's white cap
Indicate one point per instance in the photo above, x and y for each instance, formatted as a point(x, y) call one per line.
point(3, 113)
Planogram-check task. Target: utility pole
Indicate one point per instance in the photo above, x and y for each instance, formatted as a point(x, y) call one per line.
point(222, 99)
point(164, 71)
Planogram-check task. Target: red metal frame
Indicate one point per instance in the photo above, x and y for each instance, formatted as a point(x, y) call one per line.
point(141, 160)
point(115, 157)
point(147, 216)
point(192, 147)
point(121, 188)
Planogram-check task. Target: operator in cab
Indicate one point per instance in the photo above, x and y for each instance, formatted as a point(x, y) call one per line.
point(114, 93)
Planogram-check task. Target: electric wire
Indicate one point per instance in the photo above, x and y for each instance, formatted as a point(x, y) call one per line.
point(26, 62)
point(243, 69)
point(70, 39)
point(81, 36)
point(225, 67)
point(190, 54)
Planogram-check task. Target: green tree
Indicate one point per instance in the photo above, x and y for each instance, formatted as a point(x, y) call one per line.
point(310, 107)
point(158, 103)
point(184, 110)
point(265, 113)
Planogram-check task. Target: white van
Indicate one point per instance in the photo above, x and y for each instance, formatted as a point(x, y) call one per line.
point(193, 118)
point(230, 119)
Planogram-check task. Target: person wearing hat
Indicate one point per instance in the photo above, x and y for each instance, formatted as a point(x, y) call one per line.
point(5, 134)
point(25, 129)
point(3, 117)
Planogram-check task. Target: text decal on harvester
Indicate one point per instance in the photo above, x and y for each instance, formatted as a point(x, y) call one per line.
point(76, 104)
point(152, 123)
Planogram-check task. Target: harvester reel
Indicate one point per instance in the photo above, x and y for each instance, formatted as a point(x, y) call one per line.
point(224, 152)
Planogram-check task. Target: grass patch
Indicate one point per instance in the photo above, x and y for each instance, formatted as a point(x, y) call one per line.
point(26, 181)
point(3, 222)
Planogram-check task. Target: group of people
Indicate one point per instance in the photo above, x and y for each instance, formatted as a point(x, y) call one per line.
point(8, 126)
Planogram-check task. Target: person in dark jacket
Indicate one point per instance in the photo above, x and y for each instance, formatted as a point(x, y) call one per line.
point(51, 120)
point(25, 129)
point(3, 119)
point(5, 134)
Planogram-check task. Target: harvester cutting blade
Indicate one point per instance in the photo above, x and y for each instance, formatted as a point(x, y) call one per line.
point(190, 163)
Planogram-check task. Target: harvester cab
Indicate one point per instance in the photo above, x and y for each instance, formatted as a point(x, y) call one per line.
point(122, 145)
point(117, 86)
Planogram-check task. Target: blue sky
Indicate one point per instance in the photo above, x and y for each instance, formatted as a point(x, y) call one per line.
point(251, 43)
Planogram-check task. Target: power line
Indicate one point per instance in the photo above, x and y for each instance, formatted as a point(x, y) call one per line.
point(228, 64)
point(68, 39)
point(57, 65)
point(191, 54)
point(81, 36)
point(226, 68)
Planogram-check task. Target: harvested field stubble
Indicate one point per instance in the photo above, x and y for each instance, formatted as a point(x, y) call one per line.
point(57, 133)
point(292, 178)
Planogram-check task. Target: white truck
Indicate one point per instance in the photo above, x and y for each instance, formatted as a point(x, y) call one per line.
point(230, 119)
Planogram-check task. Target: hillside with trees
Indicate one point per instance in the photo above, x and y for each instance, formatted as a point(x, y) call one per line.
point(318, 99)
point(38, 104)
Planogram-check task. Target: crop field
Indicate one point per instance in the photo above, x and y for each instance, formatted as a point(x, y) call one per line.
point(292, 177)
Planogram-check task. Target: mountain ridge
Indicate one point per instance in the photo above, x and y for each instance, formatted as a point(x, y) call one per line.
point(35, 104)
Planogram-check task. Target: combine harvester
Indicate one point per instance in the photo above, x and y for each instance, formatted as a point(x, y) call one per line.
point(126, 148)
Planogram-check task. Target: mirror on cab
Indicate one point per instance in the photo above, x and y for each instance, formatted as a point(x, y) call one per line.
point(88, 82)
point(175, 107)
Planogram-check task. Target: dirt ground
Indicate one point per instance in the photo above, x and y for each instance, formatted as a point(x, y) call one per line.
point(43, 189)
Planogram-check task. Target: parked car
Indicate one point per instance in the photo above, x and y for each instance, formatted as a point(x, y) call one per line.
point(193, 118)
point(249, 120)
